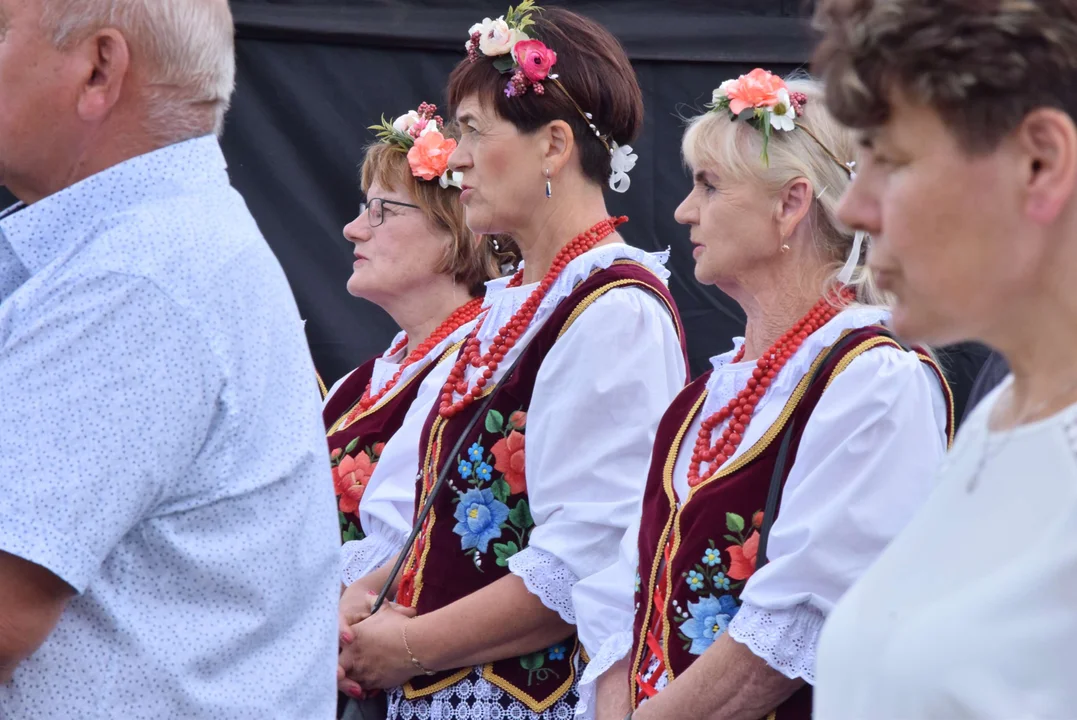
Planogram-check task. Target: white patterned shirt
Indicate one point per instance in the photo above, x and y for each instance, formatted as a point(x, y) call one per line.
point(161, 450)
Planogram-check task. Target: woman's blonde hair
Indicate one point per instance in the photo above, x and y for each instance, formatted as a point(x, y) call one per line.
point(469, 260)
point(816, 150)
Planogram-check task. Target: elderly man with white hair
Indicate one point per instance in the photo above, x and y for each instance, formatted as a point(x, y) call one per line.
point(168, 533)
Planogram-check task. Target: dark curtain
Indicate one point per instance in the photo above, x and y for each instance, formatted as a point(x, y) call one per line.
point(313, 75)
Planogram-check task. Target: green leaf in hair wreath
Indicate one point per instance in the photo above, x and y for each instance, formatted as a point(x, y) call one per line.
point(386, 133)
point(505, 64)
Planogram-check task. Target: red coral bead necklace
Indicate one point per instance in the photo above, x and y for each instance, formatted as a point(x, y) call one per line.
point(458, 318)
point(508, 335)
point(737, 413)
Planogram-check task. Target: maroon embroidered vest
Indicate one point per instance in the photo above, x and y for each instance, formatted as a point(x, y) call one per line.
point(355, 447)
point(481, 517)
point(695, 560)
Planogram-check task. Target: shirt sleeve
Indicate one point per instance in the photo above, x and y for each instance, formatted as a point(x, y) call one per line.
point(594, 412)
point(866, 463)
point(108, 393)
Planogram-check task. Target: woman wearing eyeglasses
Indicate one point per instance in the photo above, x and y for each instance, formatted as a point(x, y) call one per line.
point(416, 259)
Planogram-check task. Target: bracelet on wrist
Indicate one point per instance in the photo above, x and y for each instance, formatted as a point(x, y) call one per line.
point(414, 661)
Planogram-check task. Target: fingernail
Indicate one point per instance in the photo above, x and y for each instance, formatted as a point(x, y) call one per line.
point(371, 593)
point(355, 693)
point(346, 638)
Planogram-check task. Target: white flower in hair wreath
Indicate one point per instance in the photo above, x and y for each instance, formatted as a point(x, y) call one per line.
point(762, 100)
point(530, 64)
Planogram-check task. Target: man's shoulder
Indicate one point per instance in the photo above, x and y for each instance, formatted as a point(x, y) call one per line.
point(196, 247)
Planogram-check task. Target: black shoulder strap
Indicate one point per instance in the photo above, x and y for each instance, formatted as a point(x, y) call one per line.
point(778, 475)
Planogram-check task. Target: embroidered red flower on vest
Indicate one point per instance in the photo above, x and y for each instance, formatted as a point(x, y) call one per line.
point(509, 460)
point(350, 478)
point(742, 558)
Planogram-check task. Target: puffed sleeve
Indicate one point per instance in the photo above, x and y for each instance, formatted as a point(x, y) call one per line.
point(594, 412)
point(866, 463)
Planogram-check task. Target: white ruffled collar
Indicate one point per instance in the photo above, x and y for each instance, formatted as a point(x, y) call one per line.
point(502, 302)
point(386, 366)
point(729, 378)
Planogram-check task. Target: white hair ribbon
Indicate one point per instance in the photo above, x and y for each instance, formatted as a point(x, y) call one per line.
point(846, 274)
point(622, 160)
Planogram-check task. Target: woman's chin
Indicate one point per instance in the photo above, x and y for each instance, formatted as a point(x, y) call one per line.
point(356, 286)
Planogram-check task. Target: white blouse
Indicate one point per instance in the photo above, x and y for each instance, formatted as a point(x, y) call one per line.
point(388, 505)
point(865, 463)
point(972, 611)
point(592, 420)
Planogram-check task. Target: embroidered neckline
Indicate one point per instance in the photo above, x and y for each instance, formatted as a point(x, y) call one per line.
point(727, 376)
point(502, 302)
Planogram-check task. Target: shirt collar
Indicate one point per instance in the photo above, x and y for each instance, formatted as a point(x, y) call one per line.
point(43, 231)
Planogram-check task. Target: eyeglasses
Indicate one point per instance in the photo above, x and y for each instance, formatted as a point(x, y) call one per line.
point(375, 210)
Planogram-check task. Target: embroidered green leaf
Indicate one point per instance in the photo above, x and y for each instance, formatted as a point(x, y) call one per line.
point(533, 661)
point(495, 421)
point(504, 64)
point(504, 551)
point(521, 515)
point(343, 520)
point(501, 490)
point(734, 522)
point(351, 446)
point(352, 533)
point(731, 539)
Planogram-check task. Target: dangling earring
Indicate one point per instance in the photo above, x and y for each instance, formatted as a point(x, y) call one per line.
point(549, 185)
point(785, 249)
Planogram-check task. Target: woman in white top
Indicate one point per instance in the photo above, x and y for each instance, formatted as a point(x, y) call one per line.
point(779, 476)
point(968, 186)
point(415, 258)
point(578, 355)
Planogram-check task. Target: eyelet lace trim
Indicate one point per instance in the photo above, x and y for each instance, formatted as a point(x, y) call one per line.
point(547, 578)
point(728, 379)
point(786, 639)
point(615, 648)
point(359, 558)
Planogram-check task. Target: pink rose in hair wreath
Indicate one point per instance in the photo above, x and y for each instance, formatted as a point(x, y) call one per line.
point(535, 59)
point(429, 156)
point(757, 89)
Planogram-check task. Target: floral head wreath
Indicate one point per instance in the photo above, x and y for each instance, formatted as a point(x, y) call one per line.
point(530, 63)
point(418, 134)
point(764, 101)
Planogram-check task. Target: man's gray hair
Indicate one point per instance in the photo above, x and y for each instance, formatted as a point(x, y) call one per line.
point(185, 48)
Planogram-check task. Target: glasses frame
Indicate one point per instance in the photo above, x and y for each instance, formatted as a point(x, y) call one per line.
point(368, 207)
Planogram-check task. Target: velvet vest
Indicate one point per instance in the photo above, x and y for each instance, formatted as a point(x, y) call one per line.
point(354, 449)
point(696, 555)
point(481, 516)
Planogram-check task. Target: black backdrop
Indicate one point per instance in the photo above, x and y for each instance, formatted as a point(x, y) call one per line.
point(312, 75)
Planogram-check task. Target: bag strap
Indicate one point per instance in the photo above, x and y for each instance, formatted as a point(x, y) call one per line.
point(442, 476)
point(777, 477)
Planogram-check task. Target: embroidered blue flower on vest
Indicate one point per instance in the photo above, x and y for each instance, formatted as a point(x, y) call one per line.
point(709, 619)
point(479, 515)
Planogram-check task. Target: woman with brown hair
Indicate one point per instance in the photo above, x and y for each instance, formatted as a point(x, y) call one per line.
point(968, 117)
point(578, 356)
point(416, 259)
